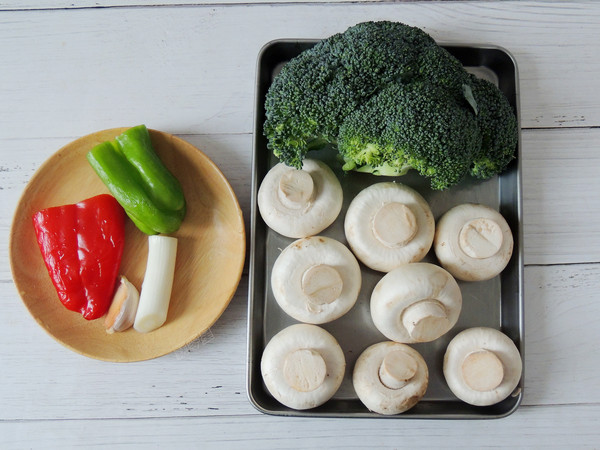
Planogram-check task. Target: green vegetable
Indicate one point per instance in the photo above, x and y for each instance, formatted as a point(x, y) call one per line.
point(151, 196)
point(431, 132)
point(391, 99)
point(499, 130)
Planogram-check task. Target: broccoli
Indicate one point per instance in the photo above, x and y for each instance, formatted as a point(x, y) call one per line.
point(315, 91)
point(425, 128)
point(438, 66)
point(391, 99)
point(499, 130)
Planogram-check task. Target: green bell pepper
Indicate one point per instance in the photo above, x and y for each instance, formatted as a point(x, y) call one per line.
point(151, 196)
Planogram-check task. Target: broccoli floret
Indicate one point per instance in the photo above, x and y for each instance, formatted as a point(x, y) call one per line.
point(417, 126)
point(391, 99)
point(315, 91)
point(439, 67)
point(499, 130)
point(296, 118)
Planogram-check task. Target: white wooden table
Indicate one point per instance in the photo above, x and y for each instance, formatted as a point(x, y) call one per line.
point(67, 70)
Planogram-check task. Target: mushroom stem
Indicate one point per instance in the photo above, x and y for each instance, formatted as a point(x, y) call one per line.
point(394, 224)
point(296, 188)
point(480, 238)
point(482, 370)
point(322, 284)
point(304, 370)
point(425, 319)
point(397, 369)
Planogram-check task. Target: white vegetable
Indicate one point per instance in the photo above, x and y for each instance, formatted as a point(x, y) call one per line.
point(482, 366)
point(157, 285)
point(416, 302)
point(389, 224)
point(316, 279)
point(473, 242)
point(123, 308)
point(300, 203)
point(303, 366)
point(390, 378)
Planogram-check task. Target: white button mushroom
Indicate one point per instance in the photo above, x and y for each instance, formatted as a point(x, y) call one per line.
point(482, 366)
point(390, 378)
point(389, 224)
point(316, 279)
point(303, 366)
point(417, 302)
point(299, 203)
point(473, 242)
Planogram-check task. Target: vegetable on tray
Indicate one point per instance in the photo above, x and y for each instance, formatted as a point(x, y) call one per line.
point(390, 99)
point(416, 302)
point(300, 203)
point(303, 366)
point(482, 366)
point(473, 242)
point(390, 377)
point(151, 196)
point(82, 245)
point(388, 225)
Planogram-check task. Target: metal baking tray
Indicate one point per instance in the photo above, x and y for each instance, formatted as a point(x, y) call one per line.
point(496, 303)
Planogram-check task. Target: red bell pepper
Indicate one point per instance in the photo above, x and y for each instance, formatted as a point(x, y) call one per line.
point(82, 245)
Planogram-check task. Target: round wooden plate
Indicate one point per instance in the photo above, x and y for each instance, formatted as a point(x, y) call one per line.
point(210, 254)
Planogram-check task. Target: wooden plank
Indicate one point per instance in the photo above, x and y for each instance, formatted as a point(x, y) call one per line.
point(565, 426)
point(561, 334)
point(561, 205)
point(16, 5)
point(190, 77)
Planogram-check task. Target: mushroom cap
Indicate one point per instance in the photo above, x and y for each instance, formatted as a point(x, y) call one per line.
point(389, 224)
point(473, 242)
point(482, 366)
point(316, 279)
point(417, 302)
point(299, 203)
point(390, 378)
point(303, 366)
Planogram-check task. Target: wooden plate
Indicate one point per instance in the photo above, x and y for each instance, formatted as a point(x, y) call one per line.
point(210, 255)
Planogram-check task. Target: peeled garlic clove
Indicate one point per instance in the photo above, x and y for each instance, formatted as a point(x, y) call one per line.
point(123, 308)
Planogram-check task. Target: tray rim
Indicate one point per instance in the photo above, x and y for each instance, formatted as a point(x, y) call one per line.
point(518, 393)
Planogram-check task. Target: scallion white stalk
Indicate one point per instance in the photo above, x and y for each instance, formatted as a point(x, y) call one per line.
point(158, 281)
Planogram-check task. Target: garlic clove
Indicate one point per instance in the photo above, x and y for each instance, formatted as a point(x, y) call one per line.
point(123, 308)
